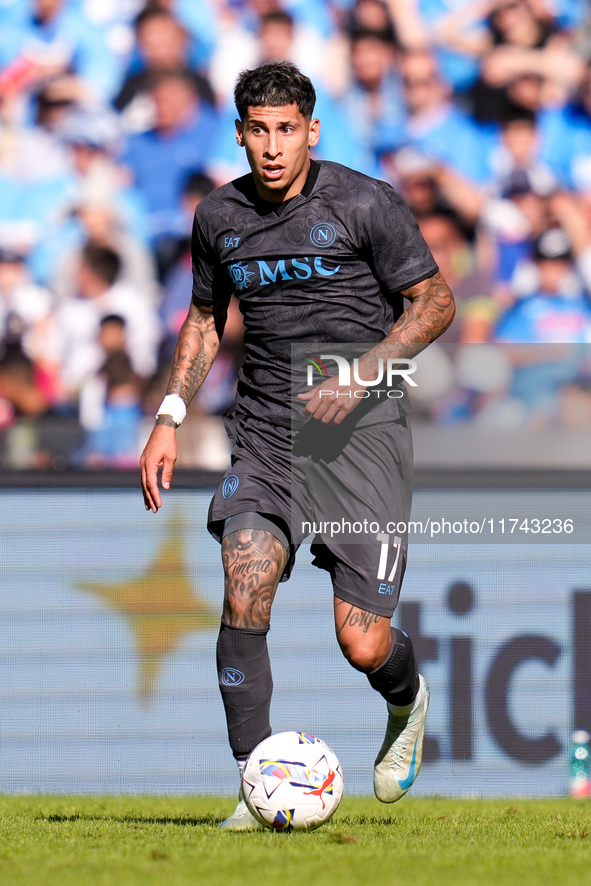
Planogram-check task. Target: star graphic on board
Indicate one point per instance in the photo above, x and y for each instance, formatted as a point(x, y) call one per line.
point(160, 606)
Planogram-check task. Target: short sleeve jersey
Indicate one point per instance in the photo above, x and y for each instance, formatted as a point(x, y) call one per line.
point(326, 266)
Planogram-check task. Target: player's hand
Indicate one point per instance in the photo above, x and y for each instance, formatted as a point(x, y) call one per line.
point(331, 402)
point(160, 451)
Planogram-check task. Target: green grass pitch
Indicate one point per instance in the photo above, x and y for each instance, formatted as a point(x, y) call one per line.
point(170, 841)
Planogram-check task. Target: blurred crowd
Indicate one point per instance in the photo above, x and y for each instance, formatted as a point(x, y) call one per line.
point(116, 118)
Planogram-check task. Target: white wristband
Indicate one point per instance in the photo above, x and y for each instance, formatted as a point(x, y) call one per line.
point(174, 406)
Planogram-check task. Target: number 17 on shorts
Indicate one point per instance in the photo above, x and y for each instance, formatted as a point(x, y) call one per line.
point(391, 564)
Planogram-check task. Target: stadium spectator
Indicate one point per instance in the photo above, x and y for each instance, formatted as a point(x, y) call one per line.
point(518, 153)
point(429, 186)
point(568, 211)
point(371, 17)
point(77, 320)
point(475, 309)
point(163, 44)
point(25, 317)
point(112, 340)
point(34, 153)
point(95, 215)
point(23, 305)
point(19, 392)
point(479, 113)
point(31, 434)
point(92, 139)
point(438, 128)
point(178, 279)
point(522, 37)
point(55, 37)
point(200, 21)
point(373, 100)
point(567, 138)
point(558, 309)
point(113, 439)
point(36, 168)
point(162, 158)
point(510, 225)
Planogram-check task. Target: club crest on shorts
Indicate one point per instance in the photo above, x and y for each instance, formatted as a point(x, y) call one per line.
point(230, 485)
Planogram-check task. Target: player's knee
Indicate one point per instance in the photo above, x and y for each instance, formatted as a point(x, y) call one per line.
point(251, 610)
point(362, 653)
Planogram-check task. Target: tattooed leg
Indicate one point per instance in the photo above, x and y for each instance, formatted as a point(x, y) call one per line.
point(364, 637)
point(382, 652)
point(254, 561)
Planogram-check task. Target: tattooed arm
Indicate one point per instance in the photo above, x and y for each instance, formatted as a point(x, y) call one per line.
point(196, 348)
point(430, 312)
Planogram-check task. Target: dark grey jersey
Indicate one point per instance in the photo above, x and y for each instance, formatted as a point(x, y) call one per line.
point(326, 266)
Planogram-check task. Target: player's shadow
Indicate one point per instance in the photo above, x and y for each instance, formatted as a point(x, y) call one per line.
point(183, 821)
point(321, 442)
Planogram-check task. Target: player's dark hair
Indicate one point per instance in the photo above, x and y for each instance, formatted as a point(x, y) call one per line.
point(274, 84)
point(102, 261)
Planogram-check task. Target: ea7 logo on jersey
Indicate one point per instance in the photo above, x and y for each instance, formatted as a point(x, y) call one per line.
point(231, 242)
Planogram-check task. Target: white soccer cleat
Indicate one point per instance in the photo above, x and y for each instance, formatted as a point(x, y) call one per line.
point(399, 760)
point(242, 818)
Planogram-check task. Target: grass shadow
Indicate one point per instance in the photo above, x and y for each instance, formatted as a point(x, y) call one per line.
point(183, 821)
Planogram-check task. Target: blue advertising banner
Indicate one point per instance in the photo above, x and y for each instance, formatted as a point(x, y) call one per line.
point(108, 626)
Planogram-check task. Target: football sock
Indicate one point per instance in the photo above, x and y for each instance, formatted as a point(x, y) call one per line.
point(397, 678)
point(246, 684)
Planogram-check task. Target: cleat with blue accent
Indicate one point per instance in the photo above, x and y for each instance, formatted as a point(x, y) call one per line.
point(399, 760)
point(242, 818)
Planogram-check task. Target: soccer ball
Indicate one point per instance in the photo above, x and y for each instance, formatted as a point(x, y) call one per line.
point(292, 781)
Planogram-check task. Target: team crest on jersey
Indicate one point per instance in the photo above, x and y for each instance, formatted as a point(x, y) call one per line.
point(241, 276)
point(323, 234)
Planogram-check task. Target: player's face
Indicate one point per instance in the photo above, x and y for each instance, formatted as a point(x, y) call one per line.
point(277, 143)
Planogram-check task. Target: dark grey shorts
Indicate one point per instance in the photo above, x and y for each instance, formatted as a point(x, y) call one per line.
point(351, 490)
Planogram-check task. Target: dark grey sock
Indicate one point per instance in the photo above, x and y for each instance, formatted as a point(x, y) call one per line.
point(397, 678)
point(246, 684)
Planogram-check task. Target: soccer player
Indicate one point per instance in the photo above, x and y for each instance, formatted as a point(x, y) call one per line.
point(315, 252)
